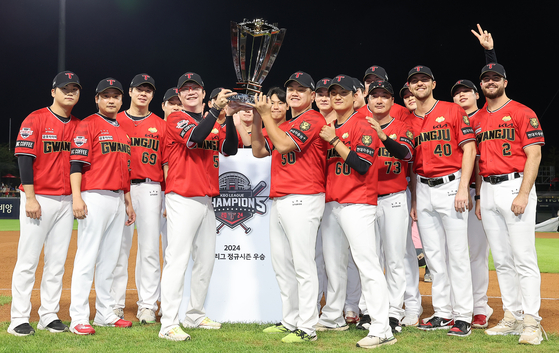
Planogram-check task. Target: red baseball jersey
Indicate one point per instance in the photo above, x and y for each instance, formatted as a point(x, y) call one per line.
point(397, 111)
point(301, 171)
point(47, 138)
point(104, 147)
point(147, 142)
point(343, 184)
point(437, 143)
point(502, 136)
point(393, 171)
point(193, 168)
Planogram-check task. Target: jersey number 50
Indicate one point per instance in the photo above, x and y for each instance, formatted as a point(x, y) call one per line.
point(288, 158)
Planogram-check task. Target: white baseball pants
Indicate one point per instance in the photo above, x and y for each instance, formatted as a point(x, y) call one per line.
point(513, 246)
point(412, 297)
point(190, 230)
point(353, 226)
point(443, 230)
point(54, 231)
point(294, 222)
point(99, 240)
point(320, 270)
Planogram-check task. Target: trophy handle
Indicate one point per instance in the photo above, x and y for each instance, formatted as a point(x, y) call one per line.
point(271, 56)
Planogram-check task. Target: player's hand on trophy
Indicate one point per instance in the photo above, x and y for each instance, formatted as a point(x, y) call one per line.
point(79, 208)
point(223, 98)
point(32, 208)
point(484, 38)
point(232, 108)
point(328, 132)
point(262, 104)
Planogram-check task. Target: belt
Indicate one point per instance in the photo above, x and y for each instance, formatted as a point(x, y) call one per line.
point(496, 179)
point(437, 181)
point(138, 181)
point(115, 191)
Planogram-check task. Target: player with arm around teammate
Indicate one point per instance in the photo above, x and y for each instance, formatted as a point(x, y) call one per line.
point(147, 135)
point(392, 218)
point(298, 204)
point(509, 139)
point(100, 180)
point(349, 216)
point(43, 151)
point(193, 149)
point(443, 162)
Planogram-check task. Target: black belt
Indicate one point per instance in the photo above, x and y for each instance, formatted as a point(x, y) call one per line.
point(496, 179)
point(437, 181)
point(138, 181)
point(115, 191)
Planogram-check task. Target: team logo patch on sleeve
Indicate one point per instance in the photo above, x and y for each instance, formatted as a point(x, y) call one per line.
point(25, 132)
point(440, 119)
point(152, 130)
point(466, 120)
point(304, 126)
point(534, 123)
point(409, 135)
point(367, 140)
point(80, 141)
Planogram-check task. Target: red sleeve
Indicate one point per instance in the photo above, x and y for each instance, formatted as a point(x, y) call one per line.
point(306, 129)
point(82, 144)
point(464, 130)
point(365, 141)
point(179, 128)
point(529, 128)
point(28, 139)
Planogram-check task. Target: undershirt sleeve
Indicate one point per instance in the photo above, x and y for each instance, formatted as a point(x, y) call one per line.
point(359, 165)
point(25, 163)
point(397, 150)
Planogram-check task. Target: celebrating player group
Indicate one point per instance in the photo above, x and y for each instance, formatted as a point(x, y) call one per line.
point(371, 168)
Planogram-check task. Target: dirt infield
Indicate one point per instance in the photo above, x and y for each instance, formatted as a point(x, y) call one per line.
point(8, 243)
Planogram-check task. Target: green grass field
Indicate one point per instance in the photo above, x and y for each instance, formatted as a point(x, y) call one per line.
point(249, 338)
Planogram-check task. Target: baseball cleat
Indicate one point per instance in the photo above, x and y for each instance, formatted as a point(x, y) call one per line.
point(460, 329)
point(22, 330)
point(55, 326)
point(364, 323)
point(395, 325)
point(321, 327)
point(482, 321)
point(410, 320)
point(373, 342)
point(277, 328)
point(507, 326)
point(298, 336)
point(532, 331)
point(83, 329)
point(351, 317)
point(428, 277)
point(119, 312)
point(175, 334)
point(146, 316)
point(436, 323)
point(122, 323)
point(207, 323)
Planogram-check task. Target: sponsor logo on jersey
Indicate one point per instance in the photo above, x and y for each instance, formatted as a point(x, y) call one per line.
point(367, 140)
point(25, 132)
point(80, 141)
point(238, 201)
point(393, 136)
point(345, 135)
point(184, 126)
point(467, 130)
point(105, 138)
point(215, 131)
point(25, 144)
point(365, 150)
point(144, 142)
point(466, 120)
point(506, 118)
point(49, 137)
point(440, 119)
point(534, 123)
point(299, 134)
point(109, 147)
point(304, 126)
point(499, 134)
point(152, 130)
point(435, 135)
point(79, 152)
point(181, 124)
point(56, 146)
point(534, 134)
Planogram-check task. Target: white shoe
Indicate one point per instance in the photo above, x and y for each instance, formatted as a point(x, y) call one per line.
point(119, 312)
point(532, 332)
point(146, 316)
point(207, 323)
point(373, 341)
point(175, 334)
point(507, 326)
point(410, 320)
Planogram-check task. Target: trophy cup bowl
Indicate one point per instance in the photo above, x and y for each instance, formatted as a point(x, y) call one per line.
point(251, 69)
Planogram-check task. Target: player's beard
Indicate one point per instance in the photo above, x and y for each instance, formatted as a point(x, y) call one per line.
point(495, 94)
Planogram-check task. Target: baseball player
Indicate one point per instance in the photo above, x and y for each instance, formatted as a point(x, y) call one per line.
point(443, 163)
point(349, 216)
point(100, 180)
point(298, 203)
point(464, 93)
point(509, 139)
point(279, 105)
point(377, 73)
point(147, 132)
point(392, 218)
point(193, 149)
point(360, 94)
point(322, 99)
point(45, 215)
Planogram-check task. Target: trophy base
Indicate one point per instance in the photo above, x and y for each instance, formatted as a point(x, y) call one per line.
point(241, 99)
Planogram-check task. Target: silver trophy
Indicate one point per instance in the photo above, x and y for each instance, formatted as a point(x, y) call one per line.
point(252, 69)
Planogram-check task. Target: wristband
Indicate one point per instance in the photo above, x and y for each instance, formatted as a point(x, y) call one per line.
point(334, 140)
point(476, 197)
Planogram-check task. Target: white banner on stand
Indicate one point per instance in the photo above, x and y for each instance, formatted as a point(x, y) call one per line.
point(243, 287)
